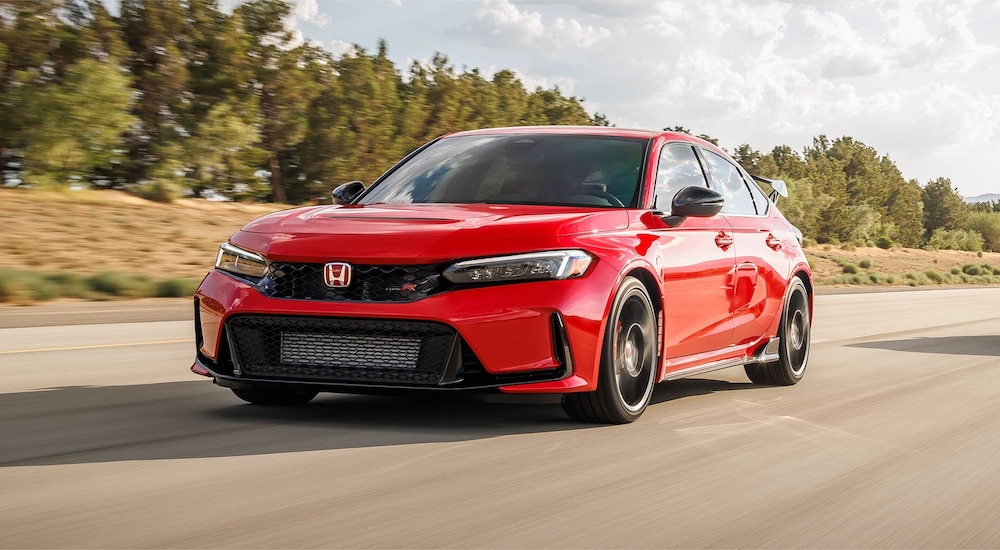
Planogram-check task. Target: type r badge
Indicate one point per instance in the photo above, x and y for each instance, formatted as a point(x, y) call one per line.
point(337, 274)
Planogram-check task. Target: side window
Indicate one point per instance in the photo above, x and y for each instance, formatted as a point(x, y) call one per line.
point(677, 168)
point(759, 198)
point(729, 182)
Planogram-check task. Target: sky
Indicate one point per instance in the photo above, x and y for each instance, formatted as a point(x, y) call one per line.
point(918, 80)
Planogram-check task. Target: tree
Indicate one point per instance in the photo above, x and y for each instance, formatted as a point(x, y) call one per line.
point(278, 82)
point(551, 107)
point(73, 126)
point(790, 164)
point(906, 210)
point(512, 98)
point(987, 224)
point(756, 163)
point(152, 30)
point(216, 153)
point(829, 179)
point(943, 206)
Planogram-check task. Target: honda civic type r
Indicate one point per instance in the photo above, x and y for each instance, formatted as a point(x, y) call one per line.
point(582, 261)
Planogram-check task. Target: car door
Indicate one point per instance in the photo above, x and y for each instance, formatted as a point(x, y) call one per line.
point(697, 259)
point(761, 265)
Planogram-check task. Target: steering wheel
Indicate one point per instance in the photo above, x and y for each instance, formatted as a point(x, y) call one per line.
point(615, 201)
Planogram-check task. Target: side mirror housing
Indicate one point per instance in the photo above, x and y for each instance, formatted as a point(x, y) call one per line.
point(694, 202)
point(346, 193)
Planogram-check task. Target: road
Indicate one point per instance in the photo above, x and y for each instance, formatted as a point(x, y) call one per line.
point(106, 440)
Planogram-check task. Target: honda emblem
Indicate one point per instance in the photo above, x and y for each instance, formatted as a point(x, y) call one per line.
point(337, 274)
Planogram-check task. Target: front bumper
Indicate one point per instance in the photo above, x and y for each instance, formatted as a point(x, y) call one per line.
point(537, 337)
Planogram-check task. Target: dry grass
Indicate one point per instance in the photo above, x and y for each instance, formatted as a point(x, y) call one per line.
point(98, 231)
point(828, 262)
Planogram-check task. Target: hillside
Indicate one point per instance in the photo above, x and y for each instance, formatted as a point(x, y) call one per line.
point(97, 231)
point(120, 246)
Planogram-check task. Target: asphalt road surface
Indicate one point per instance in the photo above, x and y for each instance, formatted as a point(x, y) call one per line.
point(891, 440)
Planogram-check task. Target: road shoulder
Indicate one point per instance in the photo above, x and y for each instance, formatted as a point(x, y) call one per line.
point(72, 312)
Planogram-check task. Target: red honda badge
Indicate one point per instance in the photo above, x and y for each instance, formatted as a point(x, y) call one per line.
point(337, 274)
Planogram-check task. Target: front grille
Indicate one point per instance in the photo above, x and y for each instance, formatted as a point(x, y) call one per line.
point(371, 283)
point(344, 350)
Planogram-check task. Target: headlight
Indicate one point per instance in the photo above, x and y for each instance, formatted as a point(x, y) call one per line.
point(241, 262)
point(558, 264)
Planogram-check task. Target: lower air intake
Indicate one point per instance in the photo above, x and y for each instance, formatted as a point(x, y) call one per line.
point(342, 350)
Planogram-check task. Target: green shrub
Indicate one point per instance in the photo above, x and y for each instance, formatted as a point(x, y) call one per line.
point(986, 224)
point(850, 269)
point(955, 271)
point(70, 285)
point(883, 242)
point(12, 288)
point(865, 264)
point(113, 283)
point(109, 282)
point(159, 190)
point(934, 276)
point(176, 288)
point(958, 239)
point(971, 269)
point(43, 290)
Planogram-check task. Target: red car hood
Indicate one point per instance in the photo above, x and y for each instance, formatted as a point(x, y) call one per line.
point(423, 233)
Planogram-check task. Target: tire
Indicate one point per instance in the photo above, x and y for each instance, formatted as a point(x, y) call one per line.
point(793, 335)
point(628, 362)
point(261, 394)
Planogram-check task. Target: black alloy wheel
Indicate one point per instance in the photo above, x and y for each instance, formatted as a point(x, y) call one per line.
point(794, 340)
point(628, 362)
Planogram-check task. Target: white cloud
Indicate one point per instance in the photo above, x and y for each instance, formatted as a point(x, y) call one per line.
point(339, 48)
point(501, 24)
point(570, 33)
point(619, 9)
point(308, 10)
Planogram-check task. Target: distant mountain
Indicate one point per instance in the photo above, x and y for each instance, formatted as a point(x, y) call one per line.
point(988, 197)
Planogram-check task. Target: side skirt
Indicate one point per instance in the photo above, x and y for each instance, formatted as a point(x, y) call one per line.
point(766, 354)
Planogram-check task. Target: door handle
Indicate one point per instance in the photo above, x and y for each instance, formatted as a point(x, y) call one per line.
point(773, 242)
point(723, 241)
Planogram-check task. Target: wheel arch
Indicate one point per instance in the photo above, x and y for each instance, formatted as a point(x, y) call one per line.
point(650, 282)
point(806, 282)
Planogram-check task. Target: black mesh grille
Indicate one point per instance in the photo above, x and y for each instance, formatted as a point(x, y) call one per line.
point(371, 283)
point(343, 350)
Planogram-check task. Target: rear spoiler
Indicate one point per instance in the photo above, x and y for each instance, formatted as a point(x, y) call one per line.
point(778, 187)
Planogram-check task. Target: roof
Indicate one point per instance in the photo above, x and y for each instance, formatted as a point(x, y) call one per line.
point(565, 130)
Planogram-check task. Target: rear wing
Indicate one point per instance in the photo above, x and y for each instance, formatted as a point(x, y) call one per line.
point(778, 187)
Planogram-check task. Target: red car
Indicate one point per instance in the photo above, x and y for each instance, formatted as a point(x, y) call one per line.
point(588, 262)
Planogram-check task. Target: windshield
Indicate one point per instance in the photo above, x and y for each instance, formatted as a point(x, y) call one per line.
point(598, 171)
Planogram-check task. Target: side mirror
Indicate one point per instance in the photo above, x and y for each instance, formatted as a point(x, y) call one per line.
point(346, 193)
point(694, 202)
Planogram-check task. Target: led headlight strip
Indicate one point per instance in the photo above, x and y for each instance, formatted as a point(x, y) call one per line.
point(241, 262)
point(557, 264)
